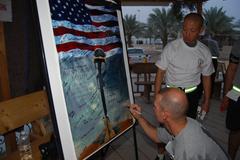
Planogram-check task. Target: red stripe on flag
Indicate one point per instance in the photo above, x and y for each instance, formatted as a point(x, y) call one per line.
point(74, 45)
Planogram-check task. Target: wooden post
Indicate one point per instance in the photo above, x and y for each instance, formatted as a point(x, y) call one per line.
point(4, 81)
point(10, 139)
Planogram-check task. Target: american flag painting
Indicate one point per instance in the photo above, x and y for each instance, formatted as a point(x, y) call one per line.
point(79, 26)
point(96, 93)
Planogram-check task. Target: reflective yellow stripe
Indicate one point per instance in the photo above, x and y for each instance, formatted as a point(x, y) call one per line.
point(188, 90)
point(168, 86)
point(236, 88)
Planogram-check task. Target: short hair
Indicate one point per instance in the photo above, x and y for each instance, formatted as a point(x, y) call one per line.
point(171, 103)
point(196, 17)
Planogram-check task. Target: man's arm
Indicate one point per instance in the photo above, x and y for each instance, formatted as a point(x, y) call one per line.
point(148, 128)
point(158, 81)
point(229, 76)
point(207, 86)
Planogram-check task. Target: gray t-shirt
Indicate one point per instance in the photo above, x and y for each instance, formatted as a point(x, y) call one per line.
point(192, 143)
point(183, 64)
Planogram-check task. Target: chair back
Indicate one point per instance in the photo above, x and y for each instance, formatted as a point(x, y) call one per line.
point(143, 68)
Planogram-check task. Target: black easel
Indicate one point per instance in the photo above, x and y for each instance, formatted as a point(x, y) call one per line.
point(99, 58)
point(135, 142)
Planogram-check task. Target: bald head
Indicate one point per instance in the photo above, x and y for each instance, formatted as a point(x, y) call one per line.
point(174, 101)
point(195, 17)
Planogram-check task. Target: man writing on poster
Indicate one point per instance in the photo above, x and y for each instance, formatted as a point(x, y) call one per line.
point(186, 139)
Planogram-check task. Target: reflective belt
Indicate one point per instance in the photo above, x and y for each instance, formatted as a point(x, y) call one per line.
point(234, 93)
point(236, 89)
point(186, 90)
point(214, 57)
point(191, 89)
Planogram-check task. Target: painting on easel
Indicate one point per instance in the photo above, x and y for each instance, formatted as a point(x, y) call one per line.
point(88, 72)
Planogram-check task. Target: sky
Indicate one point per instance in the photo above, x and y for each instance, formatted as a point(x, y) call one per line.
point(230, 6)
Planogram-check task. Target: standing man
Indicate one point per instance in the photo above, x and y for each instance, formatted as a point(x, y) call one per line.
point(231, 100)
point(186, 138)
point(182, 63)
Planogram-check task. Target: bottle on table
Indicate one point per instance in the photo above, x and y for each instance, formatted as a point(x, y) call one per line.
point(145, 60)
point(24, 146)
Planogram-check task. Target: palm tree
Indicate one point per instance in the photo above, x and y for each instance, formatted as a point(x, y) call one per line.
point(217, 22)
point(149, 32)
point(132, 27)
point(165, 24)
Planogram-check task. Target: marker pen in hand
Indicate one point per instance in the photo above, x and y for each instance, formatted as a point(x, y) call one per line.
point(135, 111)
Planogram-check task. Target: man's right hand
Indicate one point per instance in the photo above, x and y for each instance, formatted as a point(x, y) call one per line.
point(224, 104)
point(136, 111)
